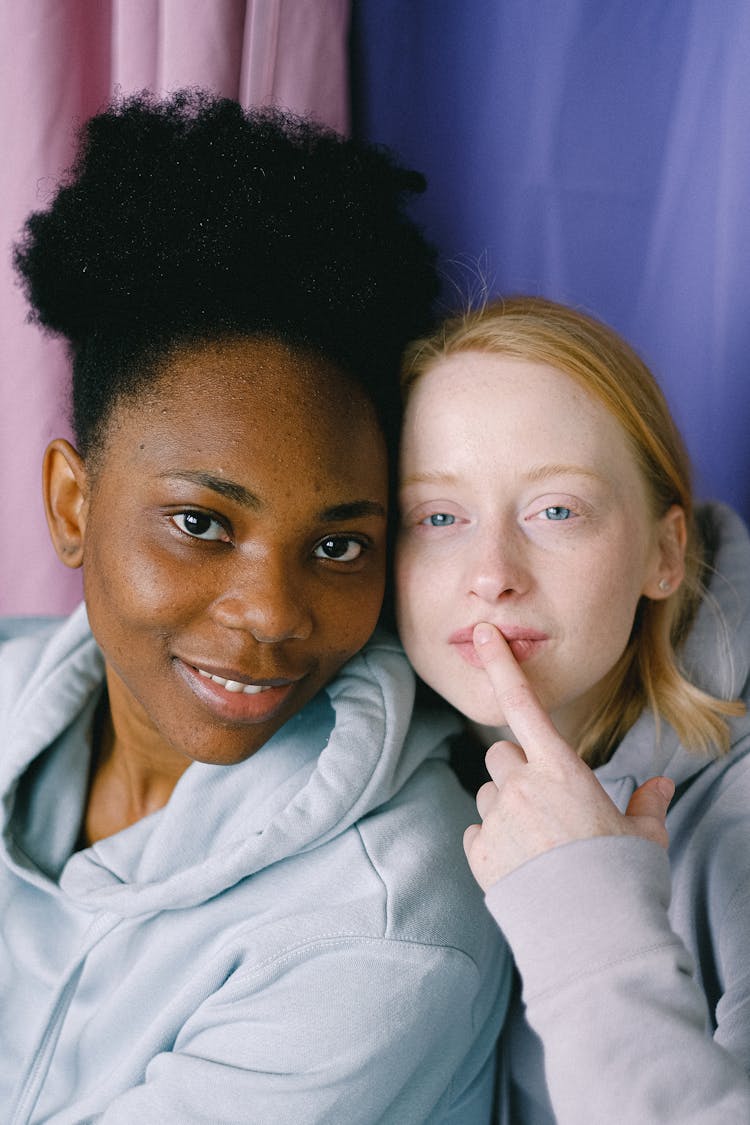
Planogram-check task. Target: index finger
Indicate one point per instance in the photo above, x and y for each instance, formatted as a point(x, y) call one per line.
point(524, 714)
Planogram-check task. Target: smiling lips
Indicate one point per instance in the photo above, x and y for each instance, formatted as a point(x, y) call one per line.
point(523, 643)
point(236, 700)
point(235, 685)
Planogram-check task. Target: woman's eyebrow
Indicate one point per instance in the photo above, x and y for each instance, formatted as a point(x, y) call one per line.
point(544, 472)
point(536, 474)
point(224, 487)
point(350, 509)
point(434, 477)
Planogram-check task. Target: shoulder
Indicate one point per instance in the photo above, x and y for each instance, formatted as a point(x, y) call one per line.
point(715, 797)
point(22, 642)
point(35, 627)
point(39, 656)
point(709, 821)
point(414, 845)
point(391, 896)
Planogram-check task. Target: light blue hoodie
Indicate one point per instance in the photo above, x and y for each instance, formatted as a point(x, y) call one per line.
point(296, 938)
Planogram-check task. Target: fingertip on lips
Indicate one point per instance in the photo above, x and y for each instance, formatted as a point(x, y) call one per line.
point(483, 633)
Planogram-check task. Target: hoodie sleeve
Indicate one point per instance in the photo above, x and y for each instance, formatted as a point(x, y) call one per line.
point(608, 988)
point(349, 1030)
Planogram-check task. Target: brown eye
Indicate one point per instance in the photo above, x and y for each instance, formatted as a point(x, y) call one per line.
point(199, 525)
point(340, 548)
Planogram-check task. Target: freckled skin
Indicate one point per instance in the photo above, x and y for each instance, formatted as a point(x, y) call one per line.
point(259, 598)
point(546, 527)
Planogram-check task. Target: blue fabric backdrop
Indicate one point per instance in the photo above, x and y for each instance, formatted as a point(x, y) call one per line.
point(595, 151)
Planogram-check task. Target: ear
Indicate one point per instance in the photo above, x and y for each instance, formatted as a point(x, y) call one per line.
point(669, 567)
point(66, 500)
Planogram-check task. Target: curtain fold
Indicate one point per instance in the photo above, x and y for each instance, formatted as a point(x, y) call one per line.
point(597, 153)
point(60, 62)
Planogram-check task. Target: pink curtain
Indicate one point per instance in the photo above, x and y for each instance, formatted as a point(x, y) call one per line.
point(60, 62)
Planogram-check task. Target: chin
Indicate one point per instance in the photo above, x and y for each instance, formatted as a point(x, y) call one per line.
point(476, 710)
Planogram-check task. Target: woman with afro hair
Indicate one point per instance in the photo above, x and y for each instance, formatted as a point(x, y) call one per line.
point(231, 881)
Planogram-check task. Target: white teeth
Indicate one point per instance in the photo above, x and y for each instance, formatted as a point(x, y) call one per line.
point(234, 685)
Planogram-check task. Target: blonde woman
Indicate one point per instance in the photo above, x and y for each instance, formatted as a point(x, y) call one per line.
point(556, 586)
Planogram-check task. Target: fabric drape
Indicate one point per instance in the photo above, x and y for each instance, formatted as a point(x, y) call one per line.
point(596, 153)
point(59, 63)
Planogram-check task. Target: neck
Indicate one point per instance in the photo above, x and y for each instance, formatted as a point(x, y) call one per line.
point(570, 720)
point(133, 773)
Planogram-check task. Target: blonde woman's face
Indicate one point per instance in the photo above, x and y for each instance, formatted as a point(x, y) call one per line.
point(521, 504)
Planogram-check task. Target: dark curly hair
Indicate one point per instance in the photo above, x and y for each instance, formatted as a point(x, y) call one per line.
point(191, 219)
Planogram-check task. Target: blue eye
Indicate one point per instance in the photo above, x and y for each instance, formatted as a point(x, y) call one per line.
point(439, 519)
point(339, 548)
point(198, 525)
point(556, 512)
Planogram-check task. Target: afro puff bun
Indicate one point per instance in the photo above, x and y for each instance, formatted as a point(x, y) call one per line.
point(191, 219)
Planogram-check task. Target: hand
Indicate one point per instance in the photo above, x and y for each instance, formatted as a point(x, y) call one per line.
point(541, 794)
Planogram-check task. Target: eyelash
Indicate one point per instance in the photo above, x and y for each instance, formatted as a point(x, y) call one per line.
point(362, 544)
point(196, 515)
point(550, 513)
point(180, 518)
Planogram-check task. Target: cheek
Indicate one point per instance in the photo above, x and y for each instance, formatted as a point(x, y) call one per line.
point(148, 587)
point(612, 573)
point(601, 606)
point(349, 618)
point(411, 591)
point(131, 585)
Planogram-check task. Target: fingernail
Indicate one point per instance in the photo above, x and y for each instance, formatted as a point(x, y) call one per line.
point(483, 633)
point(665, 785)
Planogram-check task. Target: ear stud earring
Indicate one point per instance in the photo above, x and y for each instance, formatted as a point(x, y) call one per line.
point(664, 585)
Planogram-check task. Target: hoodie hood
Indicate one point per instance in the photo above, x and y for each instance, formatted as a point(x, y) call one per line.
point(715, 657)
point(345, 754)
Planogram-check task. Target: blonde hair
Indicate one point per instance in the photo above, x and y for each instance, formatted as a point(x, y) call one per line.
point(647, 674)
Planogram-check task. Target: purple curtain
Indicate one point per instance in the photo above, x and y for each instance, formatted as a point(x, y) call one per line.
point(598, 153)
point(61, 60)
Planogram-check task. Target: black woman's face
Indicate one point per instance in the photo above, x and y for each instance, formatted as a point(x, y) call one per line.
point(234, 552)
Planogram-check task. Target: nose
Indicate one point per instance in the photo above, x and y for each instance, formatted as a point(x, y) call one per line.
point(265, 598)
point(497, 567)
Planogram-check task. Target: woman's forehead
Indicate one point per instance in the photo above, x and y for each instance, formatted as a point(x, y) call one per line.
point(258, 377)
point(492, 409)
point(492, 390)
point(243, 407)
